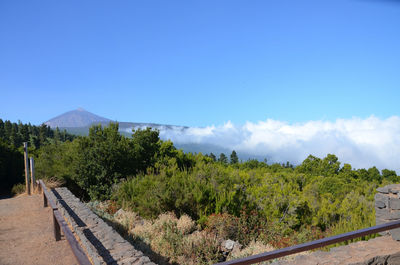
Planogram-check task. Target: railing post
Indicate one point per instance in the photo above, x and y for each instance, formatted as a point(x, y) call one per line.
point(33, 182)
point(26, 160)
point(57, 230)
point(39, 187)
point(44, 199)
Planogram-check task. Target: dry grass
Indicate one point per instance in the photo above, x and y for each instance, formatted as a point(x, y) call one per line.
point(168, 239)
point(255, 247)
point(186, 225)
point(176, 239)
point(53, 183)
point(127, 219)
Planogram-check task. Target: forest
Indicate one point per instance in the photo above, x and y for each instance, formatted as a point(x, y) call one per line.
point(182, 205)
point(12, 136)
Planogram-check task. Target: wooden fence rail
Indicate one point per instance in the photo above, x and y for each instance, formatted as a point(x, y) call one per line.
point(313, 244)
point(60, 225)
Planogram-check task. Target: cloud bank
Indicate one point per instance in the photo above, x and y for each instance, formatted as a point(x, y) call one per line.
point(361, 142)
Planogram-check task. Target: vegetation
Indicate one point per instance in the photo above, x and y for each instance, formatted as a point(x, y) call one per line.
point(250, 202)
point(12, 136)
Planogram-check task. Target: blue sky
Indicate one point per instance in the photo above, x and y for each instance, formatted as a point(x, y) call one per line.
point(199, 63)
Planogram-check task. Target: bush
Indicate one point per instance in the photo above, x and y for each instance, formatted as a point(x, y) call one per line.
point(225, 226)
point(254, 248)
point(169, 237)
point(18, 189)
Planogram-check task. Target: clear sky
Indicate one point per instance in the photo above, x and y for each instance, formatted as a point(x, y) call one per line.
point(199, 63)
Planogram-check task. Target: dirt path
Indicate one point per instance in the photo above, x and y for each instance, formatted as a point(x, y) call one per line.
point(26, 234)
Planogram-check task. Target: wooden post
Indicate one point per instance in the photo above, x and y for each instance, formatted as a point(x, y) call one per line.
point(57, 230)
point(44, 198)
point(33, 174)
point(28, 190)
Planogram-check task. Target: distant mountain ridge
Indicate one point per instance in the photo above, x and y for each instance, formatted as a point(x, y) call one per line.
point(75, 118)
point(80, 120)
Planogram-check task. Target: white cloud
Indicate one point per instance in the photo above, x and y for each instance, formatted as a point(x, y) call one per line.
point(361, 142)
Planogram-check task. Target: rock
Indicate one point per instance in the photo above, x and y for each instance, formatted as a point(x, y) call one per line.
point(392, 188)
point(395, 234)
point(394, 203)
point(380, 204)
point(230, 245)
point(384, 190)
point(119, 212)
point(395, 215)
point(382, 213)
point(379, 197)
point(129, 261)
point(394, 259)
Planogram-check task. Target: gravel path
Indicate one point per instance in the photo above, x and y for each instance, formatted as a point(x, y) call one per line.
point(26, 234)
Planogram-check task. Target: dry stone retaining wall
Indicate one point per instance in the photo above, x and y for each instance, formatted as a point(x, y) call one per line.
point(387, 208)
point(102, 243)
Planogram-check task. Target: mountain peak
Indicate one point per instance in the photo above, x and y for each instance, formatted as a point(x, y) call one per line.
point(76, 118)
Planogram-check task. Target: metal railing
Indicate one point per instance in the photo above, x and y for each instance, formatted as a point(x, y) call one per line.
point(60, 225)
point(313, 244)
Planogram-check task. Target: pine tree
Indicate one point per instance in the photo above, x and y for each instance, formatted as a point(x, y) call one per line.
point(1, 129)
point(213, 157)
point(57, 135)
point(234, 158)
point(223, 159)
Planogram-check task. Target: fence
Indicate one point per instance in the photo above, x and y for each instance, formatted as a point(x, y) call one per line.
point(313, 244)
point(60, 225)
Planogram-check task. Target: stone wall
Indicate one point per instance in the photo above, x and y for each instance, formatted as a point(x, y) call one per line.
point(101, 242)
point(387, 208)
point(105, 246)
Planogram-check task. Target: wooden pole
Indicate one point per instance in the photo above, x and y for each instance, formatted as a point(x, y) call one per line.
point(33, 174)
point(57, 229)
point(28, 190)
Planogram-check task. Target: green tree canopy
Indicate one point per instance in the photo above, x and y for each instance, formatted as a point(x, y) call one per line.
point(234, 158)
point(223, 159)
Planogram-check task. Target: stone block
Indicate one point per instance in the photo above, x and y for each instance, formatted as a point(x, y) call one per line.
point(394, 259)
point(394, 191)
point(382, 213)
point(394, 203)
point(129, 261)
point(143, 260)
point(380, 204)
point(393, 188)
point(394, 215)
point(381, 197)
point(395, 234)
point(384, 190)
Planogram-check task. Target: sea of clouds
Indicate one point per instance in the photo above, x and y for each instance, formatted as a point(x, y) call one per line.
point(361, 142)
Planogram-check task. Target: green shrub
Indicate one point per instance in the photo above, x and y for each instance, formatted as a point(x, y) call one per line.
point(18, 189)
